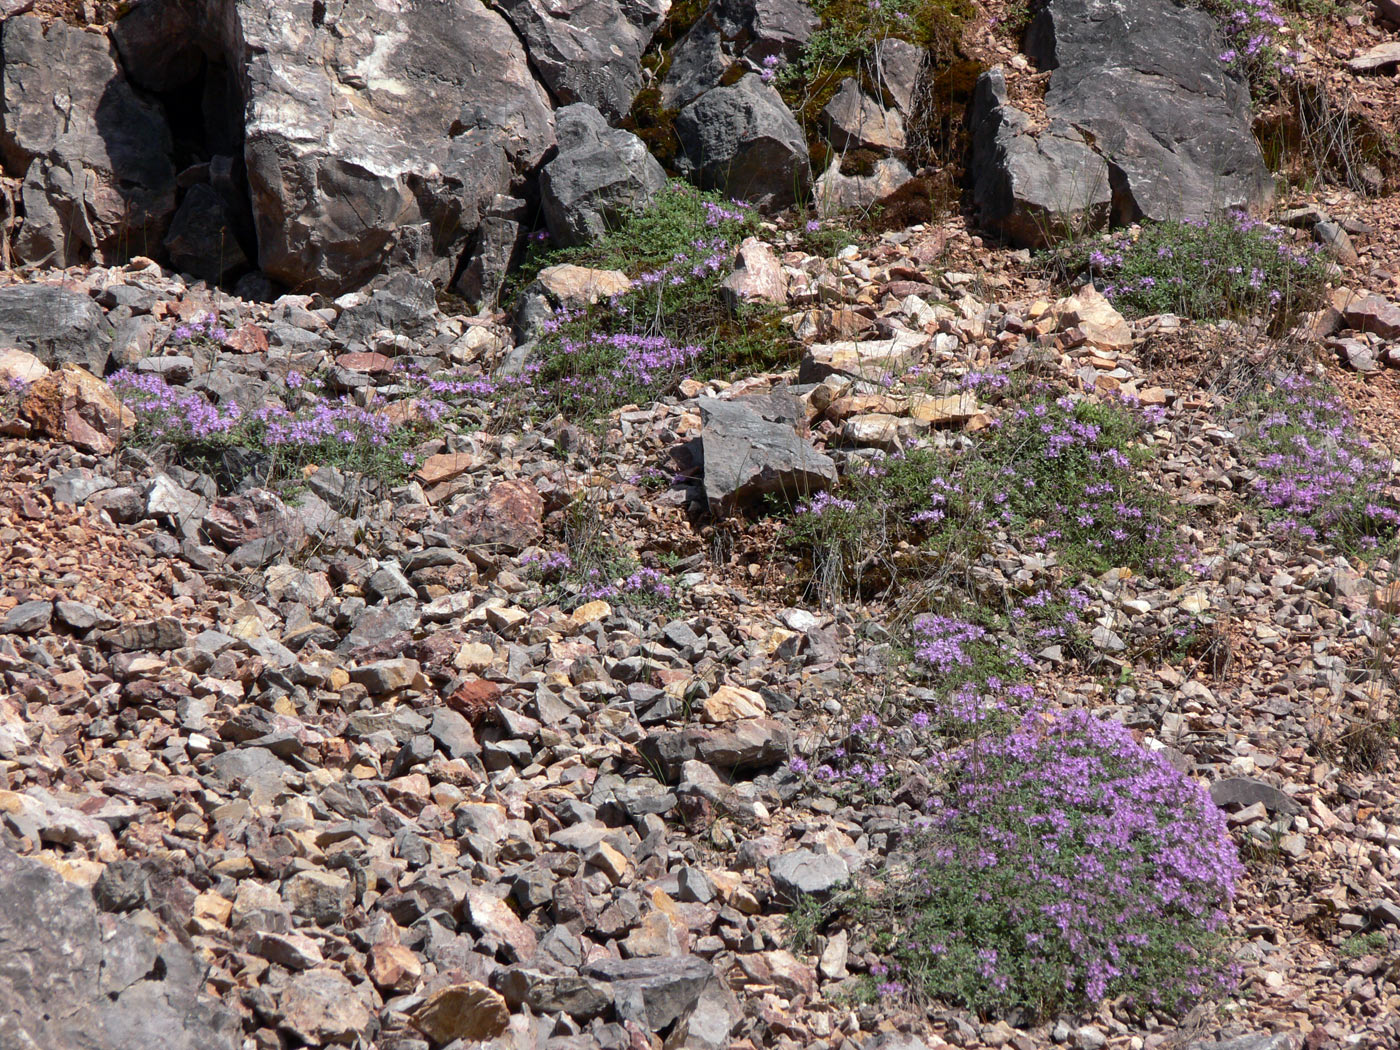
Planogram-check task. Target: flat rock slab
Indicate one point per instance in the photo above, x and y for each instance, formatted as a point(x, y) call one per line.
point(1245, 791)
point(751, 448)
point(1379, 58)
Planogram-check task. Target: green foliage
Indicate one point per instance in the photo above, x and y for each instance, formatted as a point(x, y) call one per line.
point(1065, 865)
point(1070, 473)
point(1233, 267)
point(1362, 944)
point(594, 566)
point(294, 429)
point(635, 346)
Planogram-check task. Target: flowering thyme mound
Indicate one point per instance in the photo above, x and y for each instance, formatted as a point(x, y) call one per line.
point(1233, 267)
point(1066, 865)
point(1318, 478)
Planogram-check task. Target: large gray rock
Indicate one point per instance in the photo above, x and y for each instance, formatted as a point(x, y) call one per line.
point(95, 156)
point(587, 50)
point(1032, 188)
point(56, 325)
point(600, 175)
point(377, 136)
point(854, 120)
point(1145, 84)
point(657, 992)
point(834, 192)
point(73, 978)
point(751, 448)
point(500, 238)
point(730, 31)
point(804, 873)
point(743, 140)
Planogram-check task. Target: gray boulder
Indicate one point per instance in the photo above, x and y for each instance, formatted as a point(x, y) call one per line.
point(835, 192)
point(730, 31)
point(585, 50)
point(56, 325)
point(77, 979)
point(600, 175)
point(743, 140)
point(1032, 189)
point(854, 120)
point(804, 873)
point(377, 138)
point(95, 156)
point(655, 993)
point(751, 448)
point(1145, 84)
point(500, 237)
point(203, 240)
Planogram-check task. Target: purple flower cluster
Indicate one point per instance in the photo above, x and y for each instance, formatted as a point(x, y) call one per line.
point(1319, 479)
point(169, 414)
point(1232, 266)
point(1256, 34)
point(600, 583)
point(823, 502)
point(204, 330)
point(1067, 864)
point(314, 429)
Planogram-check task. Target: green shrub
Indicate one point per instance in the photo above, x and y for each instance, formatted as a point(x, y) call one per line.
point(1070, 473)
point(1064, 864)
point(1232, 267)
point(636, 346)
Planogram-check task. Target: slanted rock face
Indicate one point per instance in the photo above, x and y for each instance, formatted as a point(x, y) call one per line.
point(730, 31)
point(1144, 122)
point(1033, 189)
point(588, 50)
point(1145, 82)
point(75, 978)
point(600, 176)
point(95, 156)
point(376, 135)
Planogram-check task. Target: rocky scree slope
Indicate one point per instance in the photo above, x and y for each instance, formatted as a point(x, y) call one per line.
point(355, 751)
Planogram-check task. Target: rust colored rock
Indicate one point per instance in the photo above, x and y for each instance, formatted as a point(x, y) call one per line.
point(444, 467)
point(254, 515)
point(247, 339)
point(1374, 314)
point(468, 1011)
point(371, 363)
point(475, 699)
point(507, 519)
point(73, 405)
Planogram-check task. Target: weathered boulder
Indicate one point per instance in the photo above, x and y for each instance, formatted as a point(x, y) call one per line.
point(853, 120)
point(1032, 188)
point(587, 50)
point(743, 140)
point(58, 325)
point(377, 138)
point(835, 192)
point(95, 156)
point(75, 406)
point(78, 979)
point(730, 31)
point(599, 176)
point(751, 448)
point(758, 277)
point(1144, 82)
